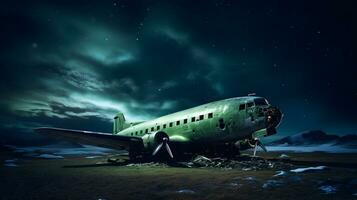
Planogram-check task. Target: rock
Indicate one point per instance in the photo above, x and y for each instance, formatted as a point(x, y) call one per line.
point(234, 184)
point(328, 189)
point(284, 157)
point(272, 184)
point(250, 178)
point(202, 161)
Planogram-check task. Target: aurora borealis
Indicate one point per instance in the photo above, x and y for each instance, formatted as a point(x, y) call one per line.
point(74, 64)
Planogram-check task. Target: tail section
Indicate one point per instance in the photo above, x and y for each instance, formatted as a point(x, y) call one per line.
point(119, 122)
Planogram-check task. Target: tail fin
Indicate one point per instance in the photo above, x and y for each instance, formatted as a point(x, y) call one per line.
point(119, 122)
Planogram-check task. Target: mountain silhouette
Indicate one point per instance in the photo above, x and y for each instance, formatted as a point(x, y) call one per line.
point(316, 137)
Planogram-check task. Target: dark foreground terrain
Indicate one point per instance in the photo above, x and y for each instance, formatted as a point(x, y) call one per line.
point(24, 177)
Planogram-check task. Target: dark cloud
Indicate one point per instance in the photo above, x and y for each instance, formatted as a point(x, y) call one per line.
point(75, 64)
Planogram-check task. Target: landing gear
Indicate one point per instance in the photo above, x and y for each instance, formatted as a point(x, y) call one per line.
point(250, 143)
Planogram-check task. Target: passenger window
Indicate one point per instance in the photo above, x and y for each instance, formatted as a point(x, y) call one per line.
point(164, 126)
point(157, 128)
point(201, 117)
point(193, 119)
point(210, 115)
point(147, 130)
point(171, 124)
point(131, 134)
point(241, 106)
point(141, 131)
point(185, 121)
point(178, 123)
point(250, 104)
point(136, 133)
point(152, 128)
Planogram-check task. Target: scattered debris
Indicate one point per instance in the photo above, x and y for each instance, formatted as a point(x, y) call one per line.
point(186, 191)
point(272, 184)
point(149, 164)
point(49, 156)
point(328, 189)
point(306, 169)
point(245, 163)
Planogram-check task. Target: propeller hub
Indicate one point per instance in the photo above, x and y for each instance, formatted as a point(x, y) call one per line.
point(163, 142)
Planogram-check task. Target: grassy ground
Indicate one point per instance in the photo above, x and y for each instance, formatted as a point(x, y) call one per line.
point(49, 179)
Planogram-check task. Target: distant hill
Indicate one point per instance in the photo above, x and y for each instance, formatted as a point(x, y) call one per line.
point(316, 137)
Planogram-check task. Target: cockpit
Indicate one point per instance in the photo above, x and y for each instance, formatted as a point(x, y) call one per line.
point(258, 107)
point(254, 102)
point(260, 102)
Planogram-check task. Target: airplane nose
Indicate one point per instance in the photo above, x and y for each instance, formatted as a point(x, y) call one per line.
point(272, 117)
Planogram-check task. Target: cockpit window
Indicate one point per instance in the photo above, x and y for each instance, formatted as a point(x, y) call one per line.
point(249, 104)
point(241, 106)
point(260, 102)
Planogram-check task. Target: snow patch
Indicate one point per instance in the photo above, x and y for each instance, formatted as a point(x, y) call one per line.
point(284, 156)
point(329, 148)
point(10, 160)
point(299, 170)
point(64, 150)
point(10, 163)
point(91, 157)
point(49, 156)
point(185, 191)
point(280, 173)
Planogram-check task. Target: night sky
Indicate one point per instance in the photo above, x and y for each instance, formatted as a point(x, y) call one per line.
point(74, 64)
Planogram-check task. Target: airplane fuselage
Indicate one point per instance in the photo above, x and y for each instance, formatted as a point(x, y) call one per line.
point(217, 122)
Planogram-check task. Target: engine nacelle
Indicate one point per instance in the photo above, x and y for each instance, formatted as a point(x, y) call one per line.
point(151, 140)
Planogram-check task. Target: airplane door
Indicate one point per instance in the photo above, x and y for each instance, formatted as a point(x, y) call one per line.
point(250, 111)
point(246, 115)
point(242, 114)
point(250, 118)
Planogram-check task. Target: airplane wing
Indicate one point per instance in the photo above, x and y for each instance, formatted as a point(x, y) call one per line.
point(93, 138)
